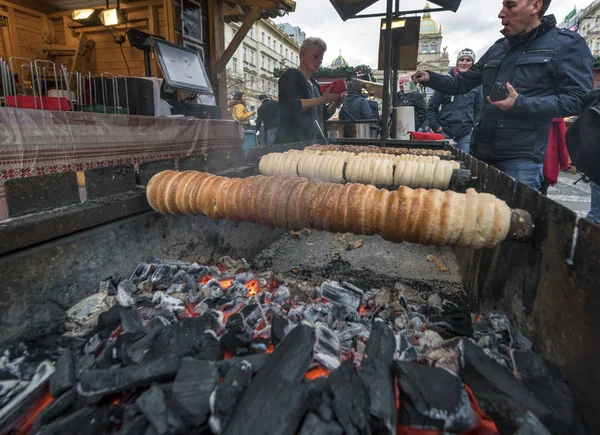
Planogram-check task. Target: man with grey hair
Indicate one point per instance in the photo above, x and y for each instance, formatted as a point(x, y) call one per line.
point(303, 110)
point(538, 72)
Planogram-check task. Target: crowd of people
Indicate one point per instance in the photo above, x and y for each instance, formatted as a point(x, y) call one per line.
point(499, 108)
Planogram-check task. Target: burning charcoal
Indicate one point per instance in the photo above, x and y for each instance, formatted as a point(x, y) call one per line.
point(281, 295)
point(416, 324)
point(317, 312)
point(401, 322)
point(109, 356)
point(280, 327)
point(134, 422)
point(530, 425)
point(211, 348)
point(135, 352)
point(94, 344)
point(313, 424)
point(342, 294)
point(376, 374)
point(256, 360)
point(145, 287)
point(82, 317)
point(454, 319)
point(110, 381)
point(443, 357)
point(87, 420)
point(9, 389)
point(59, 406)
point(432, 398)
point(236, 291)
point(141, 273)
point(109, 321)
point(252, 315)
point(497, 391)
point(350, 399)
point(179, 276)
point(131, 320)
point(227, 393)
point(296, 312)
point(153, 405)
point(176, 288)
point(190, 283)
point(236, 338)
point(171, 304)
point(327, 351)
point(244, 277)
point(162, 277)
point(352, 330)
point(64, 376)
point(124, 297)
point(275, 401)
point(430, 339)
point(340, 312)
point(195, 382)
point(197, 270)
point(259, 344)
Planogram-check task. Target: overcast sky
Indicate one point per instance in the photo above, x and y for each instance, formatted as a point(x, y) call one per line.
point(475, 25)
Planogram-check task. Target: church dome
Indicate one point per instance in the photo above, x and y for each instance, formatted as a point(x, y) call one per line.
point(428, 25)
point(339, 62)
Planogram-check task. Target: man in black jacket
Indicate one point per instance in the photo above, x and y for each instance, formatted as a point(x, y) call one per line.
point(303, 110)
point(268, 113)
point(546, 70)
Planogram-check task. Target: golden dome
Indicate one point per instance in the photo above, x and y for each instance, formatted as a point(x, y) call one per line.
point(428, 25)
point(339, 62)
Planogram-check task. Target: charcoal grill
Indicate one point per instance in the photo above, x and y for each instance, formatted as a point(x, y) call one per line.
point(67, 251)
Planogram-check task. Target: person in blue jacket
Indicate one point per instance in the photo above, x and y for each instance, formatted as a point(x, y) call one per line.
point(356, 107)
point(454, 116)
point(546, 71)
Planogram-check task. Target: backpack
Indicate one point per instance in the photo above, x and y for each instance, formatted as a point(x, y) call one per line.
point(582, 137)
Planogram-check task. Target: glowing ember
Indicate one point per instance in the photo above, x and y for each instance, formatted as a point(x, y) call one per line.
point(231, 312)
point(205, 279)
point(317, 372)
point(23, 426)
point(226, 283)
point(253, 287)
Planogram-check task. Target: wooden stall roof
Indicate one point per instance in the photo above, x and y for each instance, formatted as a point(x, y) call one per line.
point(237, 10)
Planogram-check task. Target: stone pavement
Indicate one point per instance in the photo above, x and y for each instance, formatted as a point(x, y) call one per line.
point(575, 196)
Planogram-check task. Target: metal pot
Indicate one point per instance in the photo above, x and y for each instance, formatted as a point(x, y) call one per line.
point(361, 130)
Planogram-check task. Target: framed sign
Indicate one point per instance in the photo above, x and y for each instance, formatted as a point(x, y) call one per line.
point(191, 20)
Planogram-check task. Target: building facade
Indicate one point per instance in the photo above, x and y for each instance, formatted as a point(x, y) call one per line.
point(589, 26)
point(294, 32)
point(250, 70)
point(432, 55)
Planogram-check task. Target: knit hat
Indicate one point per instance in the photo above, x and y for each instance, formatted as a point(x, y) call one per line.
point(466, 52)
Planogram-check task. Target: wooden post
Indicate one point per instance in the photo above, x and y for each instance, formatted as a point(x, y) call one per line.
point(217, 47)
point(170, 17)
point(238, 38)
point(14, 34)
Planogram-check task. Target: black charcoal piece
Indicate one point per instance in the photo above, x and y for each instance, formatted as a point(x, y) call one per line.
point(252, 315)
point(340, 312)
point(498, 392)
point(376, 374)
point(109, 321)
point(190, 283)
point(153, 406)
point(109, 381)
point(433, 398)
point(343, 294)
point(530, 425)
point(162, 276)
point(87, 420)
point(275, 401)
point(108, 287)
point(179, 276)
point(210, 349)
point(195, 382)
point(131, 321)
point(280, 327)
point(256, 361)
point(350, 399)
point(109, 357)
point(135, 352)
point(456, 321)
point(134, 422)
point(66, 402)
point(64, 376)
point(141, 272)
point(176, 288)
point(228, 393)
point(176, 264)
point(327, 351)
point(128, 286)
point(313, 424)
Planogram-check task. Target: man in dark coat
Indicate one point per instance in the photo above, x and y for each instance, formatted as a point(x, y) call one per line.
point(412, 99)
point(356, 107)
point(454, 116)
point(268, 114)
point(546, 70)
point(303, 110)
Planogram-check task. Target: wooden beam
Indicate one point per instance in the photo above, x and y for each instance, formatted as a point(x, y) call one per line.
point(34, 8)
point(14, 34)
point(217, 46)
point(135, 24)
point(70, 39)
point(153, 20)
point(100, 5)
point(170, 21)
point(251, 18)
